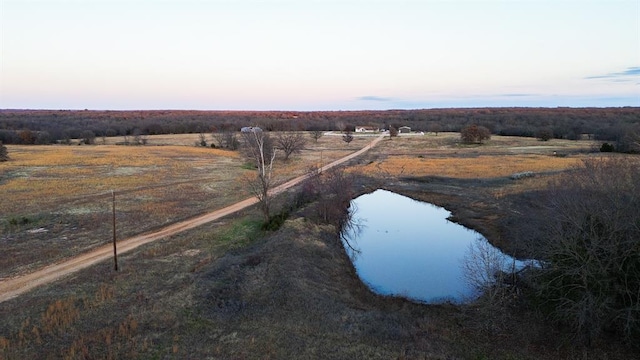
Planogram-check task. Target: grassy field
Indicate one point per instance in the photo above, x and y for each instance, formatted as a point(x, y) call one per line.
point(229, 290)
point(56, 200)
point(443, 155)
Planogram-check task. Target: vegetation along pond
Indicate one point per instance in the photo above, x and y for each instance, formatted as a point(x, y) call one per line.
point(400, 246)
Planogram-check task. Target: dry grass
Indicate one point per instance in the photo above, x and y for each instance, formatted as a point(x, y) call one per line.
point(55, 173)
point(56, 199)
point(62, 317)
point(225, 291)
point(449, 143)
point(128, 314)
point(482, 166)
point(502, 156)
point(64, 192)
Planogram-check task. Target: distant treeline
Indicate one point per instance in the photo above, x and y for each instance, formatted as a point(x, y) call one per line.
point(51, 126)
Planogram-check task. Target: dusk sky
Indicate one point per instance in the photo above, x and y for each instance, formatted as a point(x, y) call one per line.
point(318, 54)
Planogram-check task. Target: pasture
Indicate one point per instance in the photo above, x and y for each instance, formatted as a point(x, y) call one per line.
point(228, 289)
point(57, 201)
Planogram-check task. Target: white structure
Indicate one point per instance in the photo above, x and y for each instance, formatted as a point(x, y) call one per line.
point(365, 129)
point(250, 129)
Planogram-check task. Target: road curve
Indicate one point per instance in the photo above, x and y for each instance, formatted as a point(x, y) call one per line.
point(18, 285)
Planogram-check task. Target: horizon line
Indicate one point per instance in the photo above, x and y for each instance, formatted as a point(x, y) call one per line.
point(339, 110)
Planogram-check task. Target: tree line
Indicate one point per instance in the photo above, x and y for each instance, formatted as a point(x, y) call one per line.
point(52, 126)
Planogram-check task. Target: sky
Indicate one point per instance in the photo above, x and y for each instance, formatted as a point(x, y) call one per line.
point(306, 55)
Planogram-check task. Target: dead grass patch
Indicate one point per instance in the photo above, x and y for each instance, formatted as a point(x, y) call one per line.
point(482, 166)
point(67, 191)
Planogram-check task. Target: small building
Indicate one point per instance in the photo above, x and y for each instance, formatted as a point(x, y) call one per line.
point(365, 129)
point(404, 129)
point(248, 129)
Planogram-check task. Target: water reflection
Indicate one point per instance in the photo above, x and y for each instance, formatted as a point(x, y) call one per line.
point(400, 246)
point(351, 230)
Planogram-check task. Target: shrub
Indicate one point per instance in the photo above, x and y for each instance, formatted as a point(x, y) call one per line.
point(88, 137)
point(15, 221)
point(202, 140)
point(606, 147)
point(347, 136)
point(4, 153)
point(545, 134)
point(335, 189)
point(226, 139)
point(27, 137)
point(473, 134)
point(309, 190)
point(275, 222)
point(589, 278)
point(316, 134)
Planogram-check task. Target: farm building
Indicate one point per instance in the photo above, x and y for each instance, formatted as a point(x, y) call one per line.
point(404, 129)
point(364, 129)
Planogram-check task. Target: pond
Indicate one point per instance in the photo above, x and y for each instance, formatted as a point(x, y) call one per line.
point(400, 246)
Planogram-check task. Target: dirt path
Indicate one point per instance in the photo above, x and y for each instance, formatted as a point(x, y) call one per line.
point(13, 287)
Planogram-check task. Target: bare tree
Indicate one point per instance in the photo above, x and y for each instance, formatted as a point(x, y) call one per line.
point(226, 137)
point(347, 136)
point(393, 131)
point(43, 138)
point(202, 140)
point(629, 141)
point(259, 148)
point(4, 153)
point(484, 268)
point(492, 275)
point(337, 192)
point(316, 134)
point(88, 137)
point(139, 138)
point(290, 143)
point(589, 247)
point(217, 136)
point(434, 128)
point(332, 192)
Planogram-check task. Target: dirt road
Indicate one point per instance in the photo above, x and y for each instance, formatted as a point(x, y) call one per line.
point(13, 287)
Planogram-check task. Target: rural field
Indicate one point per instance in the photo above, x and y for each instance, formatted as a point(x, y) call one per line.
point(57, 200)
point(229, 289)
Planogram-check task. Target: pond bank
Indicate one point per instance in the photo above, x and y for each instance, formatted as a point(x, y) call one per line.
point(403, 246)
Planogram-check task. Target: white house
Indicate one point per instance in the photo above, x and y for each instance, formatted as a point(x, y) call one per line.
point(365, 129)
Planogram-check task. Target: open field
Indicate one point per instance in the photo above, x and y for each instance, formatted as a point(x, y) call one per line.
point(57, 199)
point(228, 290)
point(443, 155)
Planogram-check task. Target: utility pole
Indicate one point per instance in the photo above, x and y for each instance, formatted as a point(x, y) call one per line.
point(115, 253)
